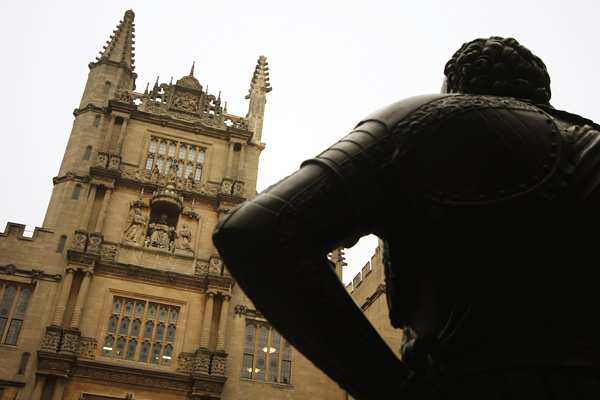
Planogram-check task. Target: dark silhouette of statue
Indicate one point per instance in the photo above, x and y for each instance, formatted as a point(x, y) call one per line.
point(487, 200)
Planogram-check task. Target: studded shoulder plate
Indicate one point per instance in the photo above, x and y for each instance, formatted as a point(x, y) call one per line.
point(468, 149)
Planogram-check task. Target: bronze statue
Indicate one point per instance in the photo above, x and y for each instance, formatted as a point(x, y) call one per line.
point(487, 199)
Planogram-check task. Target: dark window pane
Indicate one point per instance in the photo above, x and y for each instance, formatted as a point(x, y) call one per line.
point(13, 331)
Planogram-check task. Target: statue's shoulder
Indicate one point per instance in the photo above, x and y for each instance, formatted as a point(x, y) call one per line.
point(472, 149)
point(438, 107)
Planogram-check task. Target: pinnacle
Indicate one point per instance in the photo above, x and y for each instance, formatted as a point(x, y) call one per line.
point(260, 79)
point(119, 47)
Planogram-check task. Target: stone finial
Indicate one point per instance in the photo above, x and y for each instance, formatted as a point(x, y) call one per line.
point(119, 47)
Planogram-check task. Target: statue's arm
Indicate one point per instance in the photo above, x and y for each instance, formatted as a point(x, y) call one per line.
point(276, 246)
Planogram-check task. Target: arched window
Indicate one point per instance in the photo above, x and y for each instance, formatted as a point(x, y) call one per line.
point(97, 121)
point(108, 346)
point(13, 307)
point(61, 244)
point(88, 153)
point(136, 322)
point(131, 346)
point(23, 365)
point(76, 192)
point(106, 87)
point(267, 356)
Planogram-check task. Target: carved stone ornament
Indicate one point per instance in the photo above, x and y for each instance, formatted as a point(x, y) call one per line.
point(226, 186)
point(238, 189)
point(108, 252)
point(52, 338)
point(185, 363)
point(87, 348)
point(95, 243)
point(204, 386)
point(219, 363)
point(215, 266)
point(80, 239)
point(102, 160)
point(70, 341)
point(201, 268)
point(202, 361)
point(114, 162)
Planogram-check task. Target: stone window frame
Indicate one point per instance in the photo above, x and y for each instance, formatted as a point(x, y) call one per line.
point(61, 244)
point(117, 331)
point(14, 303)
point(97, 121)
point(88, 153)
point(23, 364)
point(106, 87)
point(76, 192)
point(261, 343)
point(161, 154)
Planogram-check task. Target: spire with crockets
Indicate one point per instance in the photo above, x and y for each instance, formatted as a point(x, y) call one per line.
point(259, 87)
point(119, 48)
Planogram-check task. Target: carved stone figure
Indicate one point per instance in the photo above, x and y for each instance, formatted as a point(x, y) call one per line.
point(488, 202)
point(136, 231)
point(183, 238)
point(161, 233)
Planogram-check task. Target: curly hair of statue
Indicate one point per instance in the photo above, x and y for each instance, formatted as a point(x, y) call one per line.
point(498, 66)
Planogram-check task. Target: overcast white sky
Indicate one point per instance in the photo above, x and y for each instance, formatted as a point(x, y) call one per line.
point(331, 63)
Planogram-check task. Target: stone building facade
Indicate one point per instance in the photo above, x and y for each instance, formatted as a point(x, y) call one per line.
point(121, 294)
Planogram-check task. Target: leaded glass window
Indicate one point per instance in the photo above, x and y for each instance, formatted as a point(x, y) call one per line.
point(267, 356)
point(14, 300)
point(164, 155)
point(131, 318)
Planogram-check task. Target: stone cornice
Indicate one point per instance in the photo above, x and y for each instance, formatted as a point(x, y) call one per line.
point(151, 275)
point(34, 274)
point(89, 108)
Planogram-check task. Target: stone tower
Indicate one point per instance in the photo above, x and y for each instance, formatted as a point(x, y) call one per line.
point(121, 294)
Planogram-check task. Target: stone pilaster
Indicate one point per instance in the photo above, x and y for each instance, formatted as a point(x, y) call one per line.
point(103, 210)
point(221, 335)
point(65, 289)
point(81, 298)
point(85, 219)
point(207, 321)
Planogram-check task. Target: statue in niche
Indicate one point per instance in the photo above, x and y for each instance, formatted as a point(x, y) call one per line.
point(189, 182)
point(161, 233)
point(488, 202)
point(136, 230)
point(154, 176)
point(183, 238)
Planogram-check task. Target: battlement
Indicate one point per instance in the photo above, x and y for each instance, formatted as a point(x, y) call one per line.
point(369, 280)
point(18, 231)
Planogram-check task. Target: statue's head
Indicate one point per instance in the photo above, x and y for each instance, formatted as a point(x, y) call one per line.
point(500, 67)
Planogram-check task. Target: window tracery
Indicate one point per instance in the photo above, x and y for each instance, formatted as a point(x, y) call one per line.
point(13, 306)
point(141, 330)
point(170, 157)
point(267, 355)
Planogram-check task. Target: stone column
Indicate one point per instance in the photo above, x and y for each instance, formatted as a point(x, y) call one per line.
point(223, 323)
point(59, 388)
point(103, 210)
point(229, 161)
point(207, 321)
point(63, 296)
point(85, 219)
point(81, 297)
point(240, 174)
point(39, 386)
point(111, 125)
point(122, 135)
